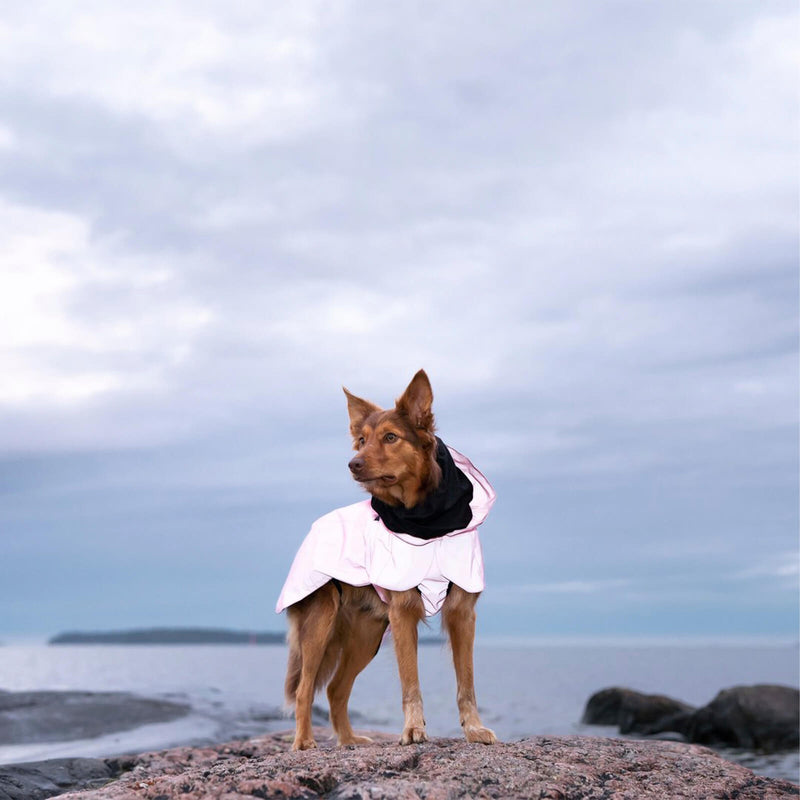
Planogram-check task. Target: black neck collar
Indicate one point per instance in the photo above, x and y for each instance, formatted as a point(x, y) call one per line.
point(444, 510)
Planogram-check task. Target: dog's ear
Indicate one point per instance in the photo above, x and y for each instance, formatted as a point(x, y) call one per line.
point(358, 410)
point(417, 400)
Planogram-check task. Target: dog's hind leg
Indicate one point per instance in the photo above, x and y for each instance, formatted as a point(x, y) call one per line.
point(405, 612)
point(314, 619)
point(458, 617)
point(360, 643)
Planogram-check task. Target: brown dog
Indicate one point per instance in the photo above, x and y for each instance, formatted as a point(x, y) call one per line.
point(336, 628)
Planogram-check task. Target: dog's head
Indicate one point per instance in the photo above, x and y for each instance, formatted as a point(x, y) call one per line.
point(396, 448)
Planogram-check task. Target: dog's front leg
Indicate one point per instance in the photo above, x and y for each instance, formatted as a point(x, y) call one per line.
point(458, 615)
point(405, 612)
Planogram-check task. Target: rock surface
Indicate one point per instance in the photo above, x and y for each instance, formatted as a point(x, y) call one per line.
point(63, 716)
point(41, 779)
point(567, 768)
point(763, 717)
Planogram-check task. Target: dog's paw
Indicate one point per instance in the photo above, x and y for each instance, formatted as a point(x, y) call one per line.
point(304, 744)
point(413, 736)
point(356, 740)
point(476, 733)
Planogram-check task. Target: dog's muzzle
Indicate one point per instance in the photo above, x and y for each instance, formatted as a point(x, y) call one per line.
point(356, 466)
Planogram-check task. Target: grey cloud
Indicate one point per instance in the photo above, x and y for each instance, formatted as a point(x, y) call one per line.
point(581, 219)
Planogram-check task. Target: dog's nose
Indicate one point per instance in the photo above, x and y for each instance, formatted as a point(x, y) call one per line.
point(356, 465)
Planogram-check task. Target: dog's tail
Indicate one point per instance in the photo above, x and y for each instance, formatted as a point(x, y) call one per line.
point(294, 668)
point(295, 665)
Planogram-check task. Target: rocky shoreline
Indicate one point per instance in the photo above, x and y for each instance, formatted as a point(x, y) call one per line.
point(556, 767)
point(543, 766)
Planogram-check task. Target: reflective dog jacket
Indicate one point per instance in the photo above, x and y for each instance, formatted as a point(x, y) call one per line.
point(352, 545)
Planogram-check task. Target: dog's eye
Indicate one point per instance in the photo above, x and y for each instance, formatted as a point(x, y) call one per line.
point(361, 441)
point(390, 437)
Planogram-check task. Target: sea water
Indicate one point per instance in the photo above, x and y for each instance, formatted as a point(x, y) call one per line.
point(524, 688)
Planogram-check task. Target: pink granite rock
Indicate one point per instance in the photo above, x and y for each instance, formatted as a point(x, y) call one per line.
point(560, 768)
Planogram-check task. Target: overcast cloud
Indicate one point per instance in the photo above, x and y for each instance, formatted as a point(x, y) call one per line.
point(580, 218)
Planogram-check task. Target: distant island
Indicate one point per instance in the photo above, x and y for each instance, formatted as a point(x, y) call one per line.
point(186, 636)
point(170, 636)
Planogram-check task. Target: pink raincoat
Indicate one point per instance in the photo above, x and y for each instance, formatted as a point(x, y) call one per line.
point(352, 545)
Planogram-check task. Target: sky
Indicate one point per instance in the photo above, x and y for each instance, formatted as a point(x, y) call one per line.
point(580, 218)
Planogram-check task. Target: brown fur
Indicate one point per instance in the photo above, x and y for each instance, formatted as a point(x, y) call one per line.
point(332, 637)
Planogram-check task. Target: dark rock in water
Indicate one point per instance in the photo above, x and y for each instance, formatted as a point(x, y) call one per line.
point(40, 779)
point(566, 767)
point(634, 712)
point(27, 717)
point(753, 717)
